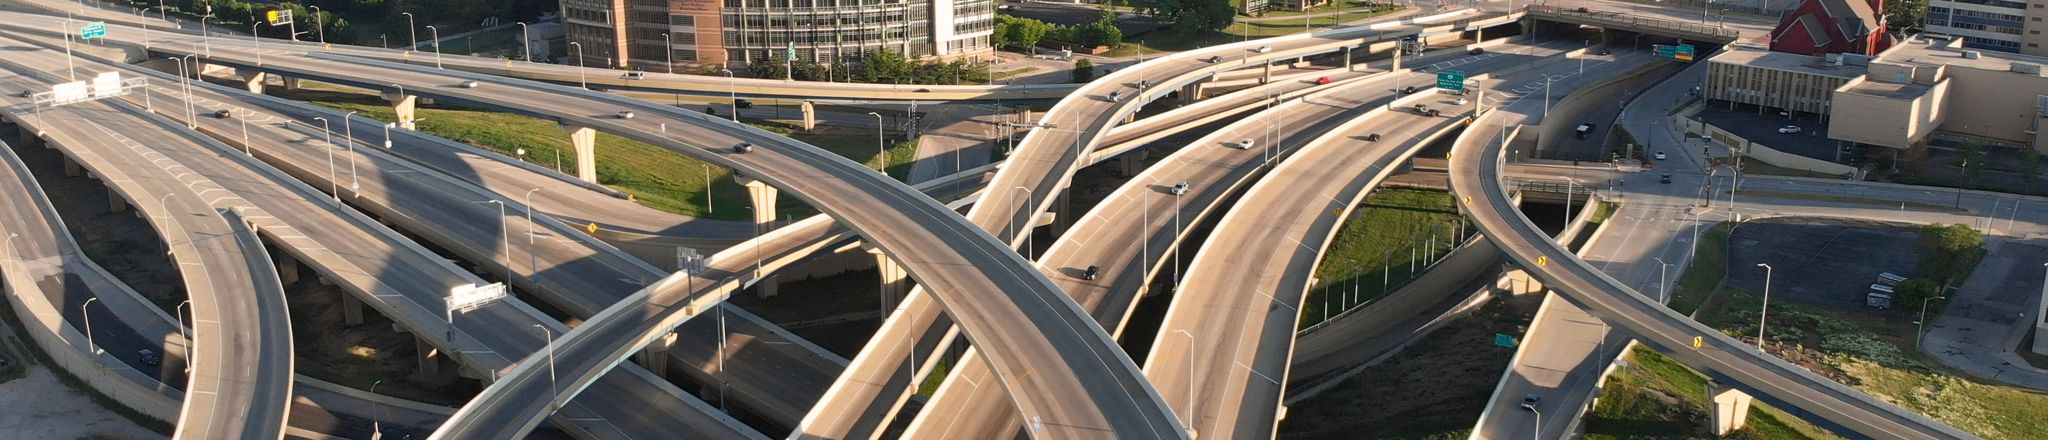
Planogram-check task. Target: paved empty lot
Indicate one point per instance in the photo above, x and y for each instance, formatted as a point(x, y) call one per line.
point(1821, 261)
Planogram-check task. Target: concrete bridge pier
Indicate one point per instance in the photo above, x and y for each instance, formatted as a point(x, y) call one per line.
point(895, 283)
point(71, 167)
point(810, 116)
point(1130, 164)
point(762, 197)
point(1731, 406)
point(402, 108)
point(429, 359)
point(585, 140)
point(116, 204)
point(1062, 211)
point(288, 268)
point(255, 81)
point(1192, 92)
point(351, 309)
point(290, 83)
point(655, 356)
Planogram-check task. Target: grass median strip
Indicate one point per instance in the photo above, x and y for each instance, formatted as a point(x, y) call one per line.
point(1385, 243)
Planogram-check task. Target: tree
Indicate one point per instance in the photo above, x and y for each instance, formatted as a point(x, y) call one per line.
point(771, 68)
point(1019, 31)
point(1950, 250)
point(1192, 17)
point(1914, 292)
point(1904, 15)
point(2030, 164)
point(1084, 71)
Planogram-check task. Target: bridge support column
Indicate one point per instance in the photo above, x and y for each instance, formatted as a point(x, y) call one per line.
point(585, 140)
point(254, 81)
point(895, 283)
point(1266, 75)
point(291, 84)
point(1130, 164)
point(29, 139)
point(429, 360)
point(1191, 92)
point(1062, 213)
point(402, 107)
point(1731, 406)
point(288, 269)
point(762, 197)
point(655, 356)
point(71, 167)
point(810, 116)
point(116, 204)
point(351, 309)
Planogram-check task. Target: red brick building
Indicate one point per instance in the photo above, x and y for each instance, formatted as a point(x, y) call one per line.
point(1832, 26)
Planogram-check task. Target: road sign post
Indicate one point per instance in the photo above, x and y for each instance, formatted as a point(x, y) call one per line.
point(1453, 80)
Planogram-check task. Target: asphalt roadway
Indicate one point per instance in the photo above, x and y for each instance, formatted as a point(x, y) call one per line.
point(1475, 174)
point(238, 314)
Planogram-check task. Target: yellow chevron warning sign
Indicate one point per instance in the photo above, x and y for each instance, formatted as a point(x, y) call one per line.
point(1698, 342)
point(1542, 261)
point(1468, 200)
point(592, 228)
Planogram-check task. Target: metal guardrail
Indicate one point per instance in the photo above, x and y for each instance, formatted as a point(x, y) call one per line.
point(1618, 19)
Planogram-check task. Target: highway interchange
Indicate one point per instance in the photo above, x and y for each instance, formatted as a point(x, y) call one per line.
point(1048, 340)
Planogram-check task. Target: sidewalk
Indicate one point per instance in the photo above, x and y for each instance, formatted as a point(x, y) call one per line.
point(1988, 317)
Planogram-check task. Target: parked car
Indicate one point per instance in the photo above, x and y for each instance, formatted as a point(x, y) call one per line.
point(471, 84)
point(223, 114)
point(743, 148)
point(1660, 155)
point(1529, 401)
point(1178, 188)
point(1789, 129)
point(1323, 80)
point(1242, 144)
point(1475, 51)
point(1375, 137)
point(1214, 59)
point(1091, 272)
point(625, 114)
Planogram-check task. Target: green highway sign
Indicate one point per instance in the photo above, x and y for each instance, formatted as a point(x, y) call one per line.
point(1504, 340)
point(1681, 52)
point(1453, 80)
point(97, 29)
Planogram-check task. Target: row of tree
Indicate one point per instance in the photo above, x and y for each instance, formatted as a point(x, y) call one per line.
point(1024, 32)
point(880, 67)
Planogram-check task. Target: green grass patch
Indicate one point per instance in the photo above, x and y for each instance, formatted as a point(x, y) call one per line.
point(1601, 213)
point(1709, 266)
point(1654, 397)
point(1433, 390)
point(654, 176)
point(1375, 249)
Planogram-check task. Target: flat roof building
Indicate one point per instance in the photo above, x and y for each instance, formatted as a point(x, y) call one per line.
point(1747, 74)
point(653, 34)
point(1935, 87)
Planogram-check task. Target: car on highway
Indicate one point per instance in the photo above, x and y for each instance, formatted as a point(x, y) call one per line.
point(1664, 179)
point(1323, 80)
point(743, 148)
point(625, 114)
point(1143, 84)
point(1476, 51)
point(471, 84)
point(1115, 97)
point(1460, 101)
point(634, 75)
point(1583, 130)
point(1529, 401)
point(26, 93)
point(1409, 90)
point(1178, 188)
point(1660, 155)
point(1242, 144)
point(1214, 59)
point(1091, 272)
point(148, 357)
point(1790, 129)
point(223, 113)
point(1375, 137)
point(742, 103)
point(1265, 49)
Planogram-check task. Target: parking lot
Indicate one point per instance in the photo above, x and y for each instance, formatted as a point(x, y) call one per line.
point(1826, 262)
point(1811, 140)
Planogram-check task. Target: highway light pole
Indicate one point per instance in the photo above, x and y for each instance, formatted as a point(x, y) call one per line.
point(436, 33)
point(531, 263)
point(670, 45)
point(554, 389)
point(1663, 281)
point(180, 310)
point(191, 116)
point(881, 153)
point(376, 419)
point(203, 34)
point(412, 33)
point(526, 41)
point(348, 133)
point(1569, 186)
point(242, 113)
point(82, 311)
point(70, 68)
point(732, 91)
point(1921, 333)
point(10, 247)
point(1027, 227)
point(1765, 311)
point(257, 39)
point(318, 24)
point(387, 134)
point(581, 77)
point(333, 188)
point(1536, 433)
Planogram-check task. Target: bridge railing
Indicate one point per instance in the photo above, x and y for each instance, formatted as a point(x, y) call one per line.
point(1618, 19)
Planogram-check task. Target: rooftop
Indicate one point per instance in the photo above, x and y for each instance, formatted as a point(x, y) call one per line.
point(1888, 90)
point(1937, 51)
point(1790, 62)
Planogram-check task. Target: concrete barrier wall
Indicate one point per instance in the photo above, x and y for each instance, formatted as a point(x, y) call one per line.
point(1553, 131)
point(1756, 151)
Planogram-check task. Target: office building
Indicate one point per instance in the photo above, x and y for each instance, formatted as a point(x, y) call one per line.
point(648, 34)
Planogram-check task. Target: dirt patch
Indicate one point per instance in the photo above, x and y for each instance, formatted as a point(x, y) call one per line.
point(360, 355)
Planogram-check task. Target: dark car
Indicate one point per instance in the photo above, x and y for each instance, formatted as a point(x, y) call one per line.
point(743, 148)
point(743, 103)
point(26, 93)
point(1375, 137)
point(1214, 59)
point(1091, 272)
point(1603, 52)
point(1529, 401)
point(1475, 51)
point(711, 111)
point(1665, 179)
point(223, 114)
point(148, 357)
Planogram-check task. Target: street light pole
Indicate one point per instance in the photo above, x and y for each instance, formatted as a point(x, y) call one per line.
point(180, 310)
point(191, 116)
point(1765, 311)
point(669, 44)
point(376, 419)
point(581, 77)
point(504, 231)
point(319, 25)
point(412, 33)
point(1663, 281)
point(732, 91)
point(881, 153)
point(531, 263)
point(348, 133)
point(1191, 376)
point(554, 390)
point(82, 311)
point(1921, 333)
point(333, 188)
point(436, 33)
point(526, 41)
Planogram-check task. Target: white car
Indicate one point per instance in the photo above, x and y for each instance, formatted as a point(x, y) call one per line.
point(1789, 129)
point(1242, 144)
point(1461, 101)
point(1660, 155)
point(470, 84)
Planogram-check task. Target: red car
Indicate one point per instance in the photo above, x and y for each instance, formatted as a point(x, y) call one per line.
point(1323, 80)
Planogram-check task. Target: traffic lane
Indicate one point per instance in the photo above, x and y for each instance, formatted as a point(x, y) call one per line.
point(882, 370)
point(1475, 172)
